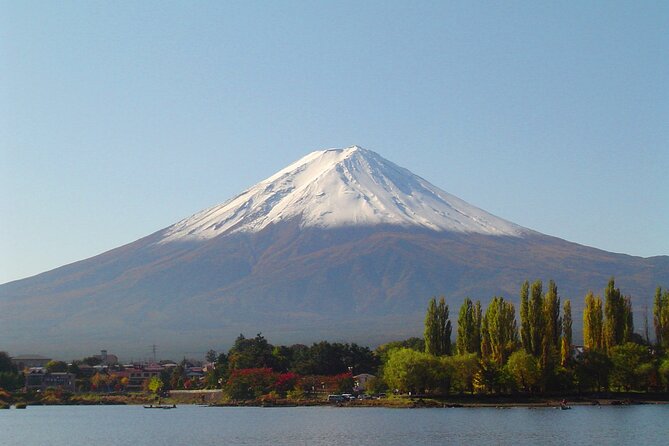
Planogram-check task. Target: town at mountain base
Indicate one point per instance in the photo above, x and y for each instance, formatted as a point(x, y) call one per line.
point(340, 245)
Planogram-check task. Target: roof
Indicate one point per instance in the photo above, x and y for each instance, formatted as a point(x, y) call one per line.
point(24, 357)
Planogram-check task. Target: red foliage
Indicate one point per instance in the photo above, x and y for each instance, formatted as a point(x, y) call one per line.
point(286, 381)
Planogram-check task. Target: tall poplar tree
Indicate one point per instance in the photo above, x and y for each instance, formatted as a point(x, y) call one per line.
point(500, 338)
point(536, 318)
point(616, 320)
point(551, 330)
point(525, 337)
point(478, 319)
point(628, 318)
point(661, 318)
point(553, 323)
point(437, 328)
point(565, 347)
point(592, 322)
point(431, 333)
point(468, 341)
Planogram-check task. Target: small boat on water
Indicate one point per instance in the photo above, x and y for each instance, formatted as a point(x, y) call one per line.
point(160, 406)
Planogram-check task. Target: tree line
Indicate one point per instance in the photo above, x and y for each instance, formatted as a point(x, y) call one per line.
point(492, 353)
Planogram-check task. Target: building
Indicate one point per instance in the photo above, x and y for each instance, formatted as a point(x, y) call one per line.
point(40, 379)
point(23, 362)
point(137, 375)
point(360, 381)
point(106, 358)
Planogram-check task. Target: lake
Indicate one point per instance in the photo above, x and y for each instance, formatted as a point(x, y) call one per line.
point(315, 426)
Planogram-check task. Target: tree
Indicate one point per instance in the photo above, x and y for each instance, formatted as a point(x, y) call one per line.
point(565, 347)
point(663, 371)
point(551, 330)
point(211, 356)
point(615, 322)
point(628, 319)
point(553, 323)
point(523, 368)
point(630, 362)
point(251, 353)
point(6, 364)
point(410, 371)
point(155, 384)
point(592, 370)
point(469, 336)
point(478, 320)
point(535, 315)
point(525, 332)
point(500, 335)
point(463, 369)
point(56, 366)
point(244, 384)
point(661, 318)
point(10, 379)
point(593, 322)
point(437, 328)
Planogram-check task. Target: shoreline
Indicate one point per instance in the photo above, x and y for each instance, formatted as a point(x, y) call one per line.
point(395, 402)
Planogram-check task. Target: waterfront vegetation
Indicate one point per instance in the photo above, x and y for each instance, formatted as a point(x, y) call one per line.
point(495, 358)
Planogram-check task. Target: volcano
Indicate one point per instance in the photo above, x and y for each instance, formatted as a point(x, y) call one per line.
point(340, 245)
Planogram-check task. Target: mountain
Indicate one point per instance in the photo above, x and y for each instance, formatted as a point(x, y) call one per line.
point(340, 245)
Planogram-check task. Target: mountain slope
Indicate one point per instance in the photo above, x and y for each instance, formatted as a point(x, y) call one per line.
point(341, 245)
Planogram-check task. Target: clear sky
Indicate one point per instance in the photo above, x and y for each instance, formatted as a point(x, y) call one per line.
point(120, 118)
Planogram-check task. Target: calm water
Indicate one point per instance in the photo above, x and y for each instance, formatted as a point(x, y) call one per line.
point(132, 425)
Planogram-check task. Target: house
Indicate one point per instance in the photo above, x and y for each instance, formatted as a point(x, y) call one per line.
point(360, 381)
point(194, 372)
point(39, 379)
point(137, 375)
point(23, 362)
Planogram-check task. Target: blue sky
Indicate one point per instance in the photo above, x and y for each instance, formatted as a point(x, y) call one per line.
point(119, 118)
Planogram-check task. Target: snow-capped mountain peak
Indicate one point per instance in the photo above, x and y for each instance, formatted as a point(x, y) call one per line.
point(337, 188)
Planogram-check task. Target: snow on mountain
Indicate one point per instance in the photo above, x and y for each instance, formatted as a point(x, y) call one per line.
point(341, 187)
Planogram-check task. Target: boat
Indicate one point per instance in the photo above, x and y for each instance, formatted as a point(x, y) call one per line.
point(160, 406)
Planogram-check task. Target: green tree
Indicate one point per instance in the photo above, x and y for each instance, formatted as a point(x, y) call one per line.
point(410, 371)
point(463, 370)
point(478, 320)
point(469, 336)
point(593, 322)
point(663, 371)
point(251, 353)
point(437, 328)
point(523, 368)
point(525, 331)
point(661, 318)
point(499, 331)
point(535, 315)
point(628, 319)
point(551, 331)
point(592, 369)
point(56, 366)
point(413, 343)
point(615, 322)
point(553, 322)
point(565, 346)
point(630, 362)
